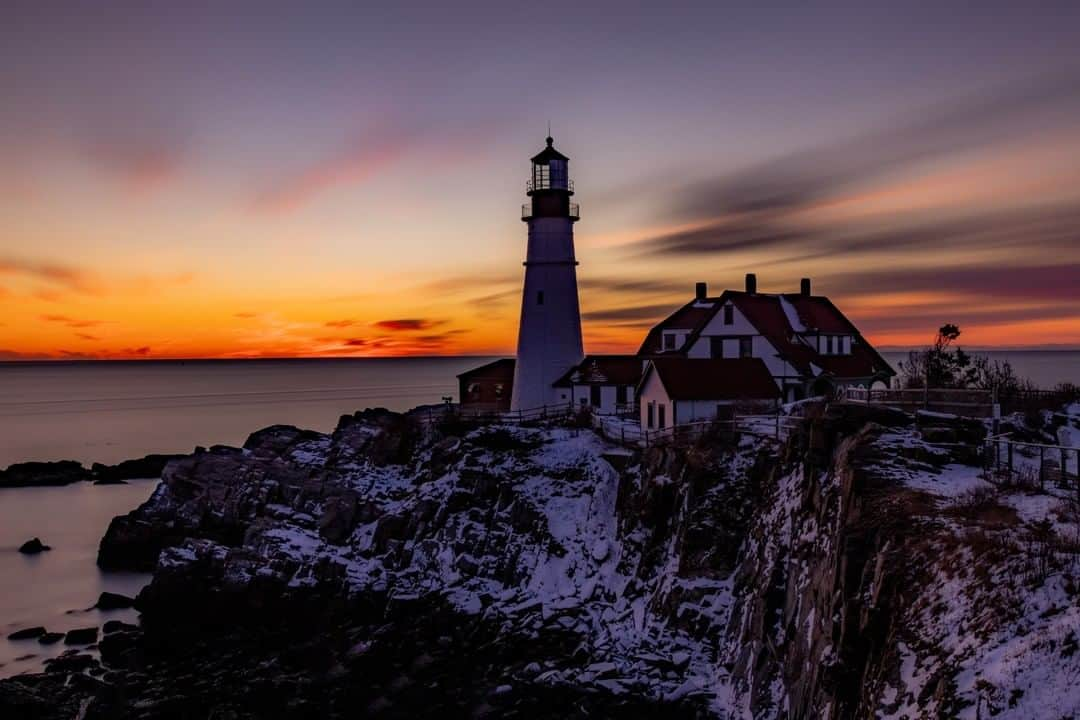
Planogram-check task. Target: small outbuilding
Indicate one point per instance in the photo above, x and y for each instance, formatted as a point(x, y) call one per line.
point(605, 383)
point(676, 390)
point(488, 387)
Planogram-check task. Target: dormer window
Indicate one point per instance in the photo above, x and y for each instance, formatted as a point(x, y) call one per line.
point(669, 341)
point(729, 315)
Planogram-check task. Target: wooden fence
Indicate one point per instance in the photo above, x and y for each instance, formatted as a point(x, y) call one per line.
point(1037, 465)
point(972, 403)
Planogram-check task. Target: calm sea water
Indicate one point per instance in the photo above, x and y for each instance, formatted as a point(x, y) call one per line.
point(107, 412)
point(54, 588)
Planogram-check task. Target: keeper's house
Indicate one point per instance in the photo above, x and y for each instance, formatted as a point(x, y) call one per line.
point(807, 344)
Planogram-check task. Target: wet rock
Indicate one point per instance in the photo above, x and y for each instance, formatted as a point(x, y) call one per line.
point(114, 601)
point(51, 638)
point(70, 661)
point(33, 547)
point(41, 474)
point(27, 633)
point(81, 636)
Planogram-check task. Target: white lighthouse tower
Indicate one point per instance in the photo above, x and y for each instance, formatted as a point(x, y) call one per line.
point(549, 334)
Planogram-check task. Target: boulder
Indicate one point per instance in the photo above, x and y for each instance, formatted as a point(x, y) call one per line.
point(81, 636)
point(50, 638)
point(114, 601)
point(42, 474)
point(33, 547)
point(27, 633)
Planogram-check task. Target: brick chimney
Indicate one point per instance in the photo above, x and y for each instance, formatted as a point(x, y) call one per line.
point(700, 291)
point(751, 283)
point(804, 287)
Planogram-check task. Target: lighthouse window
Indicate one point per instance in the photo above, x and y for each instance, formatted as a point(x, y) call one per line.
point(558, 174)
point(539, 297)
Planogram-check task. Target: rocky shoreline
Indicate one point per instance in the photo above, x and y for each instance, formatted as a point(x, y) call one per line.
point(395, 569)
point(66, 472)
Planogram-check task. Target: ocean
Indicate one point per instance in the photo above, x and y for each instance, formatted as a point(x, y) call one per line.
point(112, 411)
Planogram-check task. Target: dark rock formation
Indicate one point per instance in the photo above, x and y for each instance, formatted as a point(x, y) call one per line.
point(113, 601)
point(81, 636)
point(33, 547)
point(393, 570)
point(37, 474)
point(112, 626)
point(149, 466)
point(50, 638)
point(27, 633)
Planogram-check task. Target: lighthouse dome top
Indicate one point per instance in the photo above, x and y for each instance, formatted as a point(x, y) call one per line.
point(548, 154)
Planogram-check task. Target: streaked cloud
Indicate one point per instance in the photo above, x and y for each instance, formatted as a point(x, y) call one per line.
point(408, 324)
point(356, 162)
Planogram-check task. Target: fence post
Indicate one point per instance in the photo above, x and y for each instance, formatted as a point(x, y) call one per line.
point(1042, 467)
point(1010, 446)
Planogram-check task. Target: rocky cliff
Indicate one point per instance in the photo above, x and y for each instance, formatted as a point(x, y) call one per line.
point(401, 570)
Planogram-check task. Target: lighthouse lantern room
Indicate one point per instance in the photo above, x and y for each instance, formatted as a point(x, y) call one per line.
point(549, 332)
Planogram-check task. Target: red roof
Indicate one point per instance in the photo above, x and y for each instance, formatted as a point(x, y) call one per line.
point(692, 316)
point(603, 370)
point(714, 378)
point(818, 313)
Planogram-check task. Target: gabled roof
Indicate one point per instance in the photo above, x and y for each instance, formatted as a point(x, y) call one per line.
point(714, 378)
point(503, 367)
point(766, 313)
point(603, 370)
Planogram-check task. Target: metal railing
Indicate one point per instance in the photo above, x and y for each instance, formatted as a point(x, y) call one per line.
point(545, 184)
point(527, 211)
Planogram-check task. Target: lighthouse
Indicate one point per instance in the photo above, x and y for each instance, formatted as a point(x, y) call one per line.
point(549, 332)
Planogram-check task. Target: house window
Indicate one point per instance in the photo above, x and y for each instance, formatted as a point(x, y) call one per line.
point(474, 388)
point(828, 344)
point(729, 315)
point(669, 342)
point(746, 347)
point(594, 395)
point(716, 347)
point(621, 393)
point(662, 415)
point(650, 412)
point(539, 297)
point(498, 390)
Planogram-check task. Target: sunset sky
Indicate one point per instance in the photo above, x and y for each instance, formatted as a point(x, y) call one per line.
point(324, 179)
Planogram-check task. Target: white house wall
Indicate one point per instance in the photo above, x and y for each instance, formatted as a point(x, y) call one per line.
point(608, 396)
point(653, 391)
